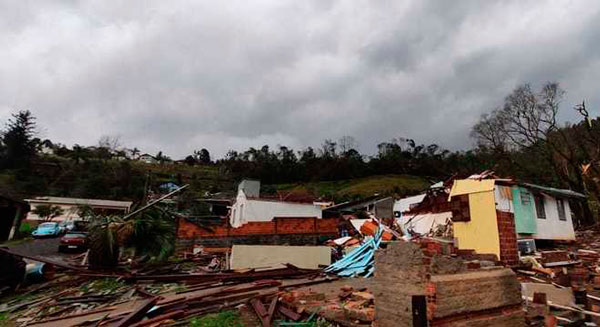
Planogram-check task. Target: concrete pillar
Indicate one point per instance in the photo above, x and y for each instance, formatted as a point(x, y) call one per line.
point(13, 228)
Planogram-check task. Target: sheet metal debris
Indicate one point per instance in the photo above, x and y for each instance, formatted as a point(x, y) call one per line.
point(359, 262)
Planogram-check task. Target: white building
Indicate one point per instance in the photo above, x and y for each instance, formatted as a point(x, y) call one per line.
point(541, 213)
point(147, 158)
point(71, 206)
point(254, 209)
point(552, 212)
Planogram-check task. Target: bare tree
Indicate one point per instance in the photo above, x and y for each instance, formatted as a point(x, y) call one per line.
point(526, 118)
point(528, 121)
point(112, 143)
point(347, 143)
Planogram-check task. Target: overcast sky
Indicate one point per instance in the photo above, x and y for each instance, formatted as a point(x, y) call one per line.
point(183, 75)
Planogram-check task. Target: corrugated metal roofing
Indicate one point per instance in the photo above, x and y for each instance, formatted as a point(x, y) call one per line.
point(555, 191)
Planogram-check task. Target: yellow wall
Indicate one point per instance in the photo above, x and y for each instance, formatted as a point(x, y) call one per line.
point(481, 233)
point(468, 186)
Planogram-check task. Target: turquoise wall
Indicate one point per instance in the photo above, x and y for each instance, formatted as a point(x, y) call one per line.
point(525, 216)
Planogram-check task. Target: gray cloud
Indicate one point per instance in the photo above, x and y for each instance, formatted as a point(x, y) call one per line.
point(182, 75)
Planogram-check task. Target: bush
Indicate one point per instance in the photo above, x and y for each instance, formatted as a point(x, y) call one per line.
point(25, 229)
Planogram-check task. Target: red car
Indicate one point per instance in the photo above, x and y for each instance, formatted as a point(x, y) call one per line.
point(73, 241)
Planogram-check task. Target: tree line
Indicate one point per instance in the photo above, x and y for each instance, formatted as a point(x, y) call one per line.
point(521, 139)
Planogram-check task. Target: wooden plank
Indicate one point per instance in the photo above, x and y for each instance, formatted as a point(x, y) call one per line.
point(272, 308)
point(288, 313)
point(138, 313)
point(160, 318)
point(261, 312)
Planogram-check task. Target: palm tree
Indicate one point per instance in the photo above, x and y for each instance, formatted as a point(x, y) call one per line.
point(152, 234)
point(135, 153)
point(79, 153)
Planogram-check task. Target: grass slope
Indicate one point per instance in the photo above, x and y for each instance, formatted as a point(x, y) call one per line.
point(399, 185)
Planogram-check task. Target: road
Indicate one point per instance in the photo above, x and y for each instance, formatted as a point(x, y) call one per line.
point(45, 247)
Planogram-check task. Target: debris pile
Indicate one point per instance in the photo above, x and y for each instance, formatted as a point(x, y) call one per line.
point(347, 307)
point(137, 299)
point(359, 262)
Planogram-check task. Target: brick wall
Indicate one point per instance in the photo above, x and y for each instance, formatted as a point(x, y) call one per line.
point(509, 253)
point(293, 231)
point(276, 239)
point(455, 295)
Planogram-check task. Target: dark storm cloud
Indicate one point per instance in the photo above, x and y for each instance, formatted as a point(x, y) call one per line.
point(182, 75)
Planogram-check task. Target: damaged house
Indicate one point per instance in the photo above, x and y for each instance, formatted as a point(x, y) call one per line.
point(489, 215)
point(253, 219)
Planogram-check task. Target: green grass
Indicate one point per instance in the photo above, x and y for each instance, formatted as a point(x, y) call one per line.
point(102, 285)
point(400, 185)
point(227, 318)
point(5, 320)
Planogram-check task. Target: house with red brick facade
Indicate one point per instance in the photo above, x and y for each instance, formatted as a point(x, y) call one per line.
point(252, 219)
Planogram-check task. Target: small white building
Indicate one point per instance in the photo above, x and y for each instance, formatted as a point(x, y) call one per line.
point(147, 158)
point(252, 208)
point(71, 206)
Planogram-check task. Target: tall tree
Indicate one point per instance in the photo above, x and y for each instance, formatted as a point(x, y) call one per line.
point(525, 132)
point(202, 156)
point(19, 144)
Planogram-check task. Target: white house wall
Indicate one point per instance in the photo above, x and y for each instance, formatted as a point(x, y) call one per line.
point(404, 204)
point(553, 228)
point(69, 212)
point(246, 210)
point(424, 223)
point(503, 198)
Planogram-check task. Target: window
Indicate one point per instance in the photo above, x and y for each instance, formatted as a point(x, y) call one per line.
point(560, 205)
point(525, 198)
point(539, 207)
point(460, 208)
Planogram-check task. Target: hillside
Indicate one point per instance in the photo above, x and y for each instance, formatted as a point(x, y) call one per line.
point(399, 185)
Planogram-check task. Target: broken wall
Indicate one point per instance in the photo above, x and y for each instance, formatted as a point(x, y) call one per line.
point(509, 252)
point(292, 231)
point(481, 232)
point(455, 295)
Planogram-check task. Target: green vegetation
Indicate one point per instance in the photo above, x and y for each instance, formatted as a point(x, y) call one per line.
point(102, 285)
point(4, 319)
point(399, 185)
point(227, 318)
point(25, 228)
point(150, 234)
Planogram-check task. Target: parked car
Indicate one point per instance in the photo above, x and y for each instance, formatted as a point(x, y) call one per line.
point(49, 229)
point(75, 241)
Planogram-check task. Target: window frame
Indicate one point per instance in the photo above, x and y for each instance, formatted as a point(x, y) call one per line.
point(560, 207)
point(539, 199)
point(525, 195)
